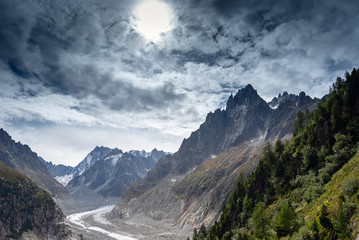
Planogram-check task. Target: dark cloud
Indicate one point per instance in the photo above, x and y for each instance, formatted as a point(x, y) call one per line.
point(35, 36)
point(253, 20)
point(43, 40)
point(118, 94)
point(64, 43)
point(196, 56)
point(82, 62)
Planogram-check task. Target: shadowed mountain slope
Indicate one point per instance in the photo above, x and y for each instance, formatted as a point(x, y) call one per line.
point(20, 157)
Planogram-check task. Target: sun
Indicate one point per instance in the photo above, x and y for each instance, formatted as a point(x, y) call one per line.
point(152, 18)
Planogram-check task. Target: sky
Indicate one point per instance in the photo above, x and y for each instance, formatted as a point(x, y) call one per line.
point(143, 74)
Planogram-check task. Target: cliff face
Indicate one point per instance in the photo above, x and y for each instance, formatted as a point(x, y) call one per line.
point(27, 210)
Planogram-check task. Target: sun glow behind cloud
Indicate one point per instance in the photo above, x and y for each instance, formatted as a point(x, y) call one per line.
point(152, 18)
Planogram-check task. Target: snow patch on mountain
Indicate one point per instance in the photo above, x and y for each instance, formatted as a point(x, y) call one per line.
point(88, 159)
point(274, 107)
point(64, 180)
point(142, 153)
point(114, 158)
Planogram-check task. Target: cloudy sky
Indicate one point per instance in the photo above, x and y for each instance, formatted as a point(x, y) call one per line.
point(139, 74)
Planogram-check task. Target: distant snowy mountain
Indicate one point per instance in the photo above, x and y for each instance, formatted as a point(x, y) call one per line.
point(60, 172)
point(94, 156)
point(64, 174)
point(108, 176)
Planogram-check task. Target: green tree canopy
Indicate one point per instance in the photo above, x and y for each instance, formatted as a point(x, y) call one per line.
point(286, 222)
point(261, 220)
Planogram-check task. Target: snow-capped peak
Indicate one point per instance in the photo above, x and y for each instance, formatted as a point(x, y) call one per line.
point(97, 154)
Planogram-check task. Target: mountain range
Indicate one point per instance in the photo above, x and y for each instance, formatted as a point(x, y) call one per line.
point(184, 189)
point(241, 160)
point(64, 174)
point(99, 179)
point(28, 191)
point(178, 191)
point(106, 173)
point(189, 187)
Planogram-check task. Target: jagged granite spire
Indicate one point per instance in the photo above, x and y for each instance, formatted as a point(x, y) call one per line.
point(301, 100)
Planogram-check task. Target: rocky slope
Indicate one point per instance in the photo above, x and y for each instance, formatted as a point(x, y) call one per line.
point(111, 175)
point(20, 157)
point(28, 212)
point(237, 134)
point(206, 188)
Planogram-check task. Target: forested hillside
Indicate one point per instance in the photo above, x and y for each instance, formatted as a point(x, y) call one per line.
point(304, 188)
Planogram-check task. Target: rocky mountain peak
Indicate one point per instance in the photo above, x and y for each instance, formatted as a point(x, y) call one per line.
point(246, 119)
point(285, 97)
point(4, 135)
point(154, 150)
point(249, 88)
point(6, 140)
point(97, 154)
point(23, 157)
point(304, 99)
point(98, 149)
point(245, 96)
point(247, 91)
point(115, 151)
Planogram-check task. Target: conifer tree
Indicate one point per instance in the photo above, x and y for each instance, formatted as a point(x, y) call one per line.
point(261, 221)
point(286, 222)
